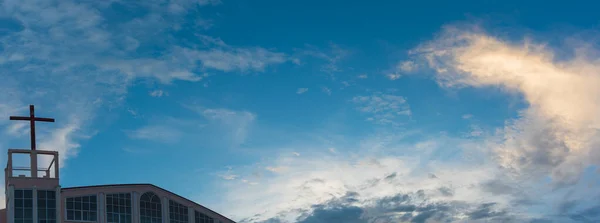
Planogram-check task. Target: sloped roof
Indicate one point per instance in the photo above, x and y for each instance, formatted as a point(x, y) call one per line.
point(151, 185)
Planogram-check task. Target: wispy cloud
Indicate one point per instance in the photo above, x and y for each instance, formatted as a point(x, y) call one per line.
point(407, 66)
point(402, 68)
point(227, 175)
point(157, 133)
point(73, 60)
point(332, 56)
point(64, 140)
point(301, 90)
point(382, 108)
point(393, 76)
point(363, 76)
point(467, 116)
point(220, 56)
point(234, 124)
point(326, 90)
point(158, 93)
point(18, 129)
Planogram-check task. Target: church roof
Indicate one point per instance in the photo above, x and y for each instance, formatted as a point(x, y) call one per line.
point(150, 185)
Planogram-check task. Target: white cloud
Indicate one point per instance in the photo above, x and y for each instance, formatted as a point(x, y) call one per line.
point(277, 169)
point(406, 66)
point(301, 90)
point(234, 124)
point(18, 129)
point(326, 90)
point(135, 150)
point(238, 59)
point(476, 131)
point(158, 133)
point(393, 76)
point(453, 173)
point(363, 76)
point(318, 178)
point(228, 176)
point(223, 57)
point(63, 139)
point(71, 62)
point(467, 116)
point(556, 134)
point(346, 83)
point(383, 108)
point(333, 55)
point(209, 2)
point(180, 6)
point(158, 93)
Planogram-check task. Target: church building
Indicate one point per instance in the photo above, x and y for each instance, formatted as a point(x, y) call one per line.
point(34, 195)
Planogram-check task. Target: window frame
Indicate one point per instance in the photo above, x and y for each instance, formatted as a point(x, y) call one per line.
point(84, 195)
point(131, 201)
point(56, 207)
point(14, 197)
point(160, 209)
point(179, 205)
point(206, 217)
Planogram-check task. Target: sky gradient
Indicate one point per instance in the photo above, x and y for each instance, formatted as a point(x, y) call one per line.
point(317, 111)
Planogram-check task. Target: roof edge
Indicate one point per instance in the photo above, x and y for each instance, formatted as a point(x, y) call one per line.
point(146, 184)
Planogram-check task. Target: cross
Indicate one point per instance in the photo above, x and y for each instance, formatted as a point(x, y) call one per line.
point(32, 119)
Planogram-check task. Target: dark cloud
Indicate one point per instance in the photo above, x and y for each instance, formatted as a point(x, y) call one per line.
point(541, 220)
point(272, 220)
point(412, 208)
point(422, 217)
point(391, 176)
point(591, 214)
point(497, 187)
point(419, 207)
point(401, 207)
point(566, 206)
point(485, 211)
point(323, 214)
point(446, 191)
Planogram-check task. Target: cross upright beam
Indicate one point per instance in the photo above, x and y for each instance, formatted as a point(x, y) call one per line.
point(32, 119)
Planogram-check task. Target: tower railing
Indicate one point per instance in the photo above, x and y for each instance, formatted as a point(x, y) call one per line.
point(32, 171)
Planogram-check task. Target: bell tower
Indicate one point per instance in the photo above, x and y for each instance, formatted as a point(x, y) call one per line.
point(33, 190)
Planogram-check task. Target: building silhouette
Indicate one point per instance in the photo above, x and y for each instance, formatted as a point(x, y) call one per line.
point(34, 195)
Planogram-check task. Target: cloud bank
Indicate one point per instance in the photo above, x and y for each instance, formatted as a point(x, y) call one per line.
point(538, 168)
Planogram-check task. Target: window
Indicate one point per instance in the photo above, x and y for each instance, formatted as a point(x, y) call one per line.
point(178, 213)
point(46, 206)
point(150, 208)
point(202, 218)
point(81, 208)
point(23, 206)
point(118, 208)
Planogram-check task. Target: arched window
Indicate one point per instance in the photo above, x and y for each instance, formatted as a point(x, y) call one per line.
point(150, 208)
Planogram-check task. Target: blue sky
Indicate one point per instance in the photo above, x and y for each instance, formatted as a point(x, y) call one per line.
point(317, 111)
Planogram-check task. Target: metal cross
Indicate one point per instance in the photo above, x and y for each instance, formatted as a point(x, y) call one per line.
point(32, 119)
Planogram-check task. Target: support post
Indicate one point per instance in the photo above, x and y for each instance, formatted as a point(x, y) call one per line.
point(101, 208)
point(11, 204)
point(58, 205)
point(165, 208)
point(135, 209)
point(34, 171)
point(35, 205)
point(191, 215)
